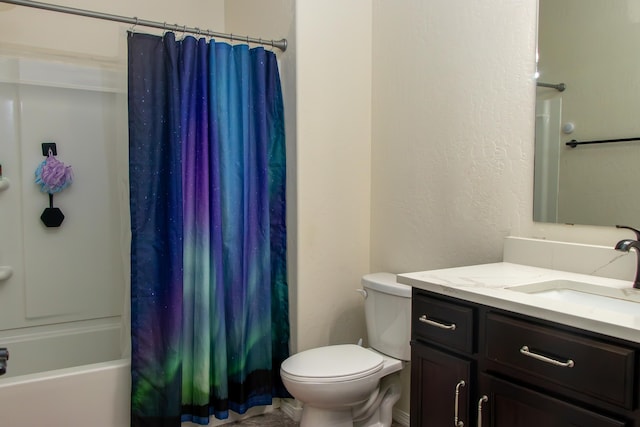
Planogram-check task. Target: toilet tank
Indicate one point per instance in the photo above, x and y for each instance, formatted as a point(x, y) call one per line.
point(387, 307)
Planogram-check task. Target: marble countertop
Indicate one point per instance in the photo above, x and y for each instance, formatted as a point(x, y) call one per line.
point(488, 284)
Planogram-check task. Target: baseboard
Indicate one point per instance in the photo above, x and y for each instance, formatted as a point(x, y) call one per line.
point(292, 408)
point(401, 417)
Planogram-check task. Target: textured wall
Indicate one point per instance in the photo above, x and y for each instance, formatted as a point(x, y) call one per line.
point(452, 130)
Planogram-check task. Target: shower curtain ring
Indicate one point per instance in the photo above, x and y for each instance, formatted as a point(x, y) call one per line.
point(248, 40)
point(231, 37)
point(134, 24)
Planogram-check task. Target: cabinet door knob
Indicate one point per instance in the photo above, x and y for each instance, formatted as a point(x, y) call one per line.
point(456, 421)
point(526, 352)
point(425, 319)
point(482, 400)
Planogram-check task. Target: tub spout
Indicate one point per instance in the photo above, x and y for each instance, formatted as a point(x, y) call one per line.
point(4, 356)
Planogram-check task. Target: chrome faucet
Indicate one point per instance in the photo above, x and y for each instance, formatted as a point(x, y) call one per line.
point(626, 245)
point(4, 356)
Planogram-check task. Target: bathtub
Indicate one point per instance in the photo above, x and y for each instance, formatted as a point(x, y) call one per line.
point(42, 389)
point(95, 395)
point(65, 375)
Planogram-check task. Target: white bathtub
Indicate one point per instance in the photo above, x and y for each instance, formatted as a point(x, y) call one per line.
point(65, 375)
point(96, 395)
point(43, 386)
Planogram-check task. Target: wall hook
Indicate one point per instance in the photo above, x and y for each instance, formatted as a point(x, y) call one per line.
point(53, 176)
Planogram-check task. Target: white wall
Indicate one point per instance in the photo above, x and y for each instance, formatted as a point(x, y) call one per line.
point(333, 167)
point(452, 131)
point(38, 29)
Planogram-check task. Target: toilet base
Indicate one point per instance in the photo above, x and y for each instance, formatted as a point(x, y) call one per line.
point(377, 412)
point(316, 417)
point(382, 414)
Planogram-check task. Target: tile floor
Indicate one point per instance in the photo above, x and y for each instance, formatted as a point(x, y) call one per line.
point(273, 419)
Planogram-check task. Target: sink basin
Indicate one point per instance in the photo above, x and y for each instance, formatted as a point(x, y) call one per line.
point(625, 300)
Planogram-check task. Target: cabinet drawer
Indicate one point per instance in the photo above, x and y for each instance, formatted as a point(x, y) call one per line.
point(511, 405)
point(441, 322)
point(588, 366)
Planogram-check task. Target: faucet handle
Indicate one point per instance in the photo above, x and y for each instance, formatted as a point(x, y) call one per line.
point(4, 356)
point(632, 229)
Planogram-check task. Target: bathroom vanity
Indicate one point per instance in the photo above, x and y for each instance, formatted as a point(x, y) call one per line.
point(509, 345)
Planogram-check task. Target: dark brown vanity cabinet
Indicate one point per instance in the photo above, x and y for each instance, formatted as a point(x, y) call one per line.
point(443, 366)
point(474, 365)
point(442, 383)
point(510, 405)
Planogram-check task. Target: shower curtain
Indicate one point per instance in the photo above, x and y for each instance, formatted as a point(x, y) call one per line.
point(209, 307)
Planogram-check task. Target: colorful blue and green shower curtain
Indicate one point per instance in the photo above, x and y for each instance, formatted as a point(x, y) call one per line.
point(209, 305)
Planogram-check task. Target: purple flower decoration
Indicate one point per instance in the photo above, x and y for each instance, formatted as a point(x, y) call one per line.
point(53, 176)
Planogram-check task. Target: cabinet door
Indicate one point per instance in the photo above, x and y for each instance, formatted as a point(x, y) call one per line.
point(435, 378)
point(509, 405)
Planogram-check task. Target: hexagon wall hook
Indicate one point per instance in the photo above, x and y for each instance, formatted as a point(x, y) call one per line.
point(52, 176)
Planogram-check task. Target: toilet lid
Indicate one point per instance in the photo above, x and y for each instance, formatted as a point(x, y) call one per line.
point(332, 363)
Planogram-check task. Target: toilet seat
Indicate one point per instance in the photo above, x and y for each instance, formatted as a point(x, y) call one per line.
point(333, 363)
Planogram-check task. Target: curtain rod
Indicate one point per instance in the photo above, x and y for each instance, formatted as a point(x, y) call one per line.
point(560, 87)
point(280, 44)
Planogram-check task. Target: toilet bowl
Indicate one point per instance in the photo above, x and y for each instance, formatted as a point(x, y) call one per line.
point(340, 385)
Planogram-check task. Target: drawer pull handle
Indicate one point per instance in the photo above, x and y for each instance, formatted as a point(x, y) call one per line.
point(482, 400)
point(457, 422)
point(526, 352)
point(425, 319)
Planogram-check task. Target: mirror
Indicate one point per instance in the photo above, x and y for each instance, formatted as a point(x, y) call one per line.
point(593, 48)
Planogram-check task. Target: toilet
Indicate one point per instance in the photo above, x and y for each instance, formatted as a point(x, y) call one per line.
point(348, 385)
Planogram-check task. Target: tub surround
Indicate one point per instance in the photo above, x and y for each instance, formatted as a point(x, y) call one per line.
point(487, 284)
